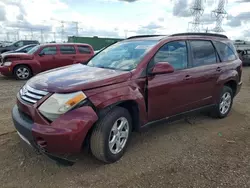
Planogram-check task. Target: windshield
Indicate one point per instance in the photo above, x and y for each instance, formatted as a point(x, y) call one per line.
point(22, 48)
point(122, 55)
point(33, 50)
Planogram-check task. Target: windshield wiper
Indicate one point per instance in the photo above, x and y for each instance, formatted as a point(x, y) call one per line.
point(103, 67)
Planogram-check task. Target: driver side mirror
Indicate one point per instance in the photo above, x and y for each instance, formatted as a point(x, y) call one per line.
point(41, 54)
point(162, 68)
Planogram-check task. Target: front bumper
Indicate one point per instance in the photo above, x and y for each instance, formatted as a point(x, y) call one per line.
point(6, 71)
point(62, 137)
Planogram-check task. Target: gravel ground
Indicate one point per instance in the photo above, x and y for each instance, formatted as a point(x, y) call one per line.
point(206, 153)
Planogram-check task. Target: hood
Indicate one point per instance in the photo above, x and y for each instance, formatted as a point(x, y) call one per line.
point(19, 56)
point(8, 52)
point(76, 77)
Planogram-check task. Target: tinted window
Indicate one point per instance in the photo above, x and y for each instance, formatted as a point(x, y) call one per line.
point(67, 50)
point(175, 53)
point(203, 53)
point(84, 49)
point(51, 50)
point(28, 48)
point(226, 51)
point(19, 44)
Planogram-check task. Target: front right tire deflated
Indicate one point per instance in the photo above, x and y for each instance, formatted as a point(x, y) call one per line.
point(111, 135)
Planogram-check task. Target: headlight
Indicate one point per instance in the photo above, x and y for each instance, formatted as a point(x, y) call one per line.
point(7, 63)
point(58, 104)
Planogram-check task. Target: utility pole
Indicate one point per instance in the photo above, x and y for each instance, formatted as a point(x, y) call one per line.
point(18, 35)
point(8, 36)
point(42, 36)
point(197, 10)
point(62, 31)
point(76, 29)
point(31, 33)
point(126, 33)
point(220, 13)
point(54, 35)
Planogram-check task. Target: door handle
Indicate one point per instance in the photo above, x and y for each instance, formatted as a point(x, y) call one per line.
point(219, 69)
point(187, 77)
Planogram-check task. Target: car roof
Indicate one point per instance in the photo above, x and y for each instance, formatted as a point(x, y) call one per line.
point(178, 35)
point(58, 44)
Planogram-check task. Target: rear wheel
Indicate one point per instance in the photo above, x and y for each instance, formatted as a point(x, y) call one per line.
point(111, 134)
point(22, 72)
point(223, 108)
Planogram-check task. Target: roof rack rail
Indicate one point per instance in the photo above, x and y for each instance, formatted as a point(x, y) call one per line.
point(204, 34)
point(142, 36)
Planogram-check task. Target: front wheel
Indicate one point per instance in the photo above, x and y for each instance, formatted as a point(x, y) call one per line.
point(111, 134)
point(223, 108)
point(22, 72)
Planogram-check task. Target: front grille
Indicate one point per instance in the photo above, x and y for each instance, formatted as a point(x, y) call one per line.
point(31, 95)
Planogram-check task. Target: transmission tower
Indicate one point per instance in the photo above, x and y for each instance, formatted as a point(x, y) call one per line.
point(219, 13)
point(197, 9)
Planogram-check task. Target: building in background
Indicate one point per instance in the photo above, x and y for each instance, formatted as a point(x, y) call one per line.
point(96, 42)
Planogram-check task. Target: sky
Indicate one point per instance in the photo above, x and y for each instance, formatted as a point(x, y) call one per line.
point(42, 19)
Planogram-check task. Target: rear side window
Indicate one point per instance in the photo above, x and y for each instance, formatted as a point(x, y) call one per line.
point(51, 50)
point(226, 51)
point(175, 53)
point(67, 49)
point(84, 49)
point(203, 53)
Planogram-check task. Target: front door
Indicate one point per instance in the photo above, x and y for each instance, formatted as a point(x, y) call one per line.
point(48, 58)
point(170, 94)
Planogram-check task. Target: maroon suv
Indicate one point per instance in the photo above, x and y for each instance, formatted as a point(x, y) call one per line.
point(42, 58)
point(125, 87)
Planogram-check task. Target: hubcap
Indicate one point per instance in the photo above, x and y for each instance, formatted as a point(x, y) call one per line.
point(118, 135)
point(22, 73)
point(225, 103)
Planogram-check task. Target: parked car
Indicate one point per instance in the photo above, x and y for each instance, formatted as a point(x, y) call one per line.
point(153, 79)
point(244, 56)
point(17, 44)
point(23, 49)
point(44, 57)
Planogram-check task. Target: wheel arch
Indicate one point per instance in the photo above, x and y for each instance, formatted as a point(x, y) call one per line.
point(22, 64)
point(233, 85)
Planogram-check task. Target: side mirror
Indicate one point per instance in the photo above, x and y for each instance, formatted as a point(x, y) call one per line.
point(41, 54)
point(162, 68)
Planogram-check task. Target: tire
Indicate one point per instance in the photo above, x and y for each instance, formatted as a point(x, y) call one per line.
point(104, 132)
point(218, 111)
point(26, 74)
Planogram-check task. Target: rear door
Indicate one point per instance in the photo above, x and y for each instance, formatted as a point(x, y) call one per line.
point(205, 72)
point(228, 56)
point(84, 53)
point(67, 55)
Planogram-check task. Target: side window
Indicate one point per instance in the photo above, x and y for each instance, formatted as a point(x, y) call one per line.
point(226, 51)
point(28, 48)
point(67, 49)
point(203, 53)
point(19, 44)
point(26, 42)
point(51, 50)
point(84, 50)
point(175, 53)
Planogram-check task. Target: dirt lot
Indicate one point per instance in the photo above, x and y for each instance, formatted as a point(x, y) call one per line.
point(208, 153)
